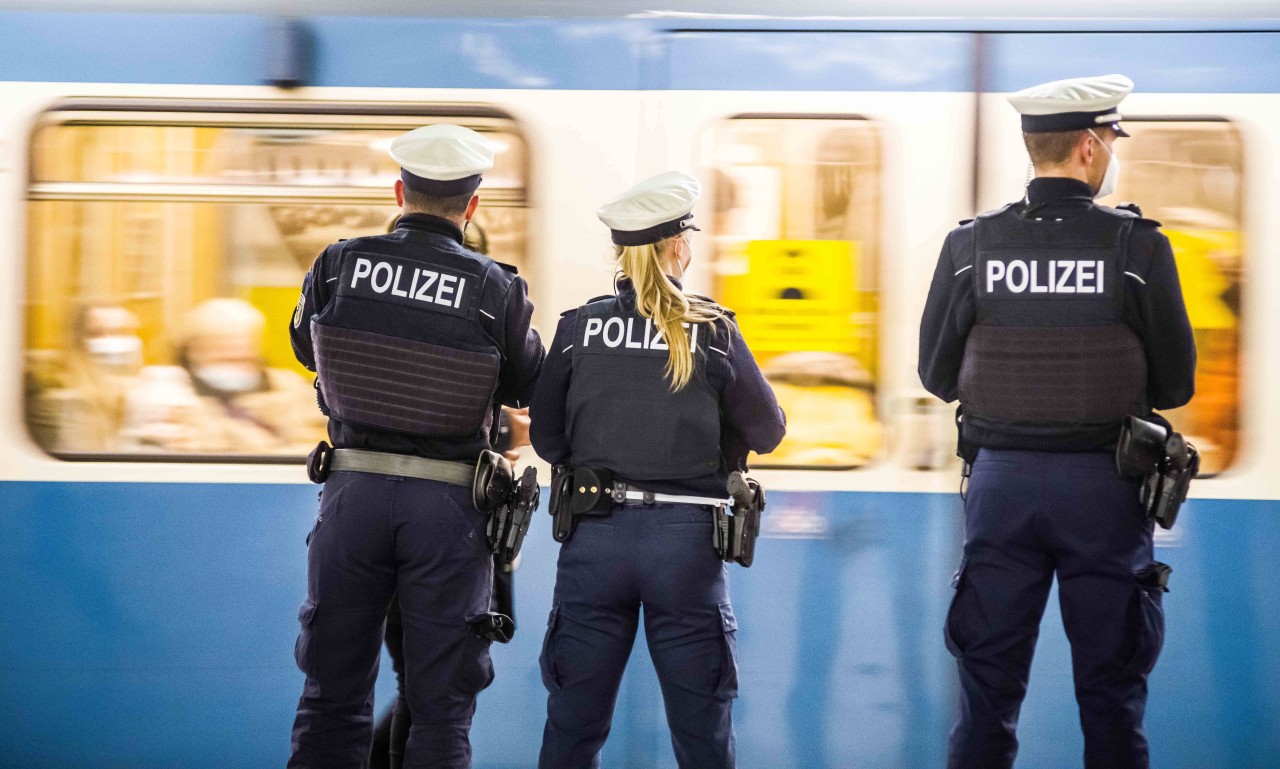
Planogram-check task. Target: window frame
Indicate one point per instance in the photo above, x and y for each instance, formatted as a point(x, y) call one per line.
point(232, 113)
point(882, 454)
point(1241, 392)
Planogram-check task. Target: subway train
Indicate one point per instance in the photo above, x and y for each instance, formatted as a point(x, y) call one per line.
point(169, 173)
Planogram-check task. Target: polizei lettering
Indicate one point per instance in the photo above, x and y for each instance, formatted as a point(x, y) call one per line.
point(416, 283)
point(410, 283)
point(1058, 276)
point(628, 333)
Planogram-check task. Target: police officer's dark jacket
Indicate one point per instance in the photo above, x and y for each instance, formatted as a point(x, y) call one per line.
point(603, 401)
point(1052, 319)
point(415, 339)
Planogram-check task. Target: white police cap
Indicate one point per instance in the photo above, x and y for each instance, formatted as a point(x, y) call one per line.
point(1073, 105)
point(653, 210)
point(442, 160)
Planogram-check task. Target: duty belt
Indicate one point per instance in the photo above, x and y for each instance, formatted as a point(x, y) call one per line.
point(621, 493)
point(403, 465)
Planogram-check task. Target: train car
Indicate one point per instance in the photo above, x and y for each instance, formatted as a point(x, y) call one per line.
point(168, 173)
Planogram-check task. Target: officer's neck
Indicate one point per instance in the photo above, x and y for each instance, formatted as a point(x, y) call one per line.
point(1047, 189)
point(624, 284)
point(418, 220)
point(1079, 173)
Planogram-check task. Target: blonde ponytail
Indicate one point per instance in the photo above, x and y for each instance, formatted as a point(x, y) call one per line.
point(662, 301)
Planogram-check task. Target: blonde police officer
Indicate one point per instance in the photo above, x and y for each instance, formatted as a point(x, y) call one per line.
point(653, 391)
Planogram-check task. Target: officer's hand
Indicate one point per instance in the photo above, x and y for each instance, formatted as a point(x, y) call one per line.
point(518, 424)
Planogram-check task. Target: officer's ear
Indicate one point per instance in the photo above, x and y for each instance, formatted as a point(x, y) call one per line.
point(400, 192)
point(472, 206)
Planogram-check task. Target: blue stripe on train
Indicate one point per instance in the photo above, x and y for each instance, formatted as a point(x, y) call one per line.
point(152, 625)
point(628, 54)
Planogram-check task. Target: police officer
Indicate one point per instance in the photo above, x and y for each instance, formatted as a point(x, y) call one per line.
point(655, 389)
point(1052, 319)
point(415, 341)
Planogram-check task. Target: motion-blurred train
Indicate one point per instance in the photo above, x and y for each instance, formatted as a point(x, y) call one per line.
point(167, 175)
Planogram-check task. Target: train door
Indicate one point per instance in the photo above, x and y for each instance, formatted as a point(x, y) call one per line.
point(836, 163)
point(833, 166)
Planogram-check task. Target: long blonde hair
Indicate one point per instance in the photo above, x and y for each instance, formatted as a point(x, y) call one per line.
point(662, 301)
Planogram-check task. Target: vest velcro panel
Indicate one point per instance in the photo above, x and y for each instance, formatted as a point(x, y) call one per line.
point(405, 385)
point(1058, 375)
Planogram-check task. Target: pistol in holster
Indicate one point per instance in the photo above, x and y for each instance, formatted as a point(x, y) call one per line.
point(508, 503)
point(737, 526)
point(577, 491)
point(1164, 461)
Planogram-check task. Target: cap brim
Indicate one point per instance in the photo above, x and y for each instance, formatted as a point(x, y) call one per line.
point(1120, 132)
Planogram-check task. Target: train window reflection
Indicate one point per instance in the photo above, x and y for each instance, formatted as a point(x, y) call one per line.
point(796, 231)
point(1189, 175)
point(164, 262)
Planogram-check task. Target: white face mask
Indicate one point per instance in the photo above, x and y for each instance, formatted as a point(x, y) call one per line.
point(684, 257)
point(1111, 175)
point(228, 377)
point(115, 352)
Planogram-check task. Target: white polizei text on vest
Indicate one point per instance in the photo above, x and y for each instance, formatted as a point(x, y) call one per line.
point(1065, 276)
point(616, 332)
point(384, 278)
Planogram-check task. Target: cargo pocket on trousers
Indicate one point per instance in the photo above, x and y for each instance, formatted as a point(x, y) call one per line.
point(953, 627)
point(303, 646)
point(727, 688)
point(546, 660)
point(475, 670)
point(1146, 624)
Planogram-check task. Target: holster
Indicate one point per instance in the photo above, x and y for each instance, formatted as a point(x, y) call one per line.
point(499, 623)
point(1165, 462)
point(577, 491)
point(736, 529)
point(509, 504)
point(318, 462)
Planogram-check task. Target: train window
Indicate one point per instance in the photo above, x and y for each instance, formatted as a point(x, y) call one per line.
point(165, 254)
point(796, 233)
point(1189, 175)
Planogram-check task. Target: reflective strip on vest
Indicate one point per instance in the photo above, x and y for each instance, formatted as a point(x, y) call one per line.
point(404, 385)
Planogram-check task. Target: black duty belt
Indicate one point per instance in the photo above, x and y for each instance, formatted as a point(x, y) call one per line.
point(403, 465)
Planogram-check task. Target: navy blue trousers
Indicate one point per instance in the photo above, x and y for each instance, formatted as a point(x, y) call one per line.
point(1028, 516)
point(659, 558)
point(378, 535)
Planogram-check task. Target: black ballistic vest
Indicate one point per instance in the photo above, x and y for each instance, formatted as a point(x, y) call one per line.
point(402, 345)
point(622, 414)
point(1050, 363)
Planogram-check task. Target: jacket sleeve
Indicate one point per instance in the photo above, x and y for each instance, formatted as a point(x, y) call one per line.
point(548, 413)
point(524, 352)
point(748, 406)
point(948, 316)
point(316, 290)
point(1161, 320)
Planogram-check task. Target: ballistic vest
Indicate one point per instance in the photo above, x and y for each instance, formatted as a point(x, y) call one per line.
point(1049, 356)
point(622, 413)
point(403, 345)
